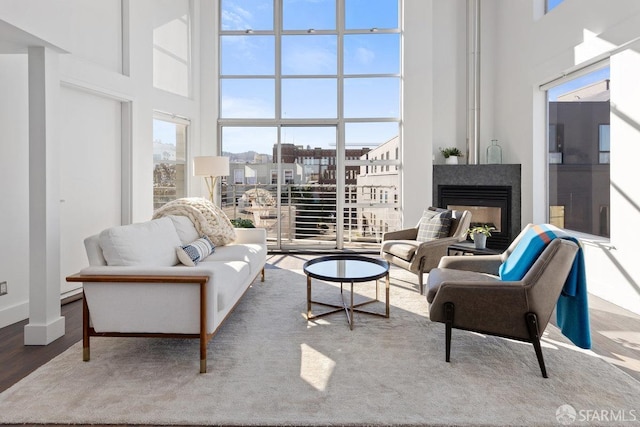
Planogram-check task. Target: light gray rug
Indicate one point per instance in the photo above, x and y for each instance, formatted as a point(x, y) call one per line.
point(268, 365)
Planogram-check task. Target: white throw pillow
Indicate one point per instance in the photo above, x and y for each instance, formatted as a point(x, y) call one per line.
point(195, 251)
point(185, 228)
point(145, 243)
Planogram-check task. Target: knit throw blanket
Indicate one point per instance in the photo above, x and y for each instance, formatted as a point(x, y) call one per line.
point(572, 309)
point(208, 219)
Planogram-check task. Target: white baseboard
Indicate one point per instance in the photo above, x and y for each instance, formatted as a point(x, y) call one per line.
point(14, 314)
point(43, 334)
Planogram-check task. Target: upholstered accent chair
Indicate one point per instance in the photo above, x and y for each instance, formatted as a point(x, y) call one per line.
point(465, 292)
point(419, 249)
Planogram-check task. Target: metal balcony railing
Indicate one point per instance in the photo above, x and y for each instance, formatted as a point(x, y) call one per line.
point(307, 216)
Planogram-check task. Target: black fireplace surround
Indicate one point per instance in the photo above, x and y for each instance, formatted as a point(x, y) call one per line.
point(496, 186)
point(482, 196)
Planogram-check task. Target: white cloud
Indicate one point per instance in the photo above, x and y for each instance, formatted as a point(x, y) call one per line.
point(310, 61)
point(365, 56)
point(236, 18)
point(234, 107)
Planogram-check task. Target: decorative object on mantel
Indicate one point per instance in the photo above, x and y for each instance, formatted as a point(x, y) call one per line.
point(494, 153)
point(451, 155)
point(479, 235)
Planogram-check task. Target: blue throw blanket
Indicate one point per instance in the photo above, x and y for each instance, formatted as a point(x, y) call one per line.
point(572, 309)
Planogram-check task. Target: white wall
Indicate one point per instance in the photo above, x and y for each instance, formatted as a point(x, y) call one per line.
point(14, 188)
point(529, 52)
point(91, 31)
point(416, 152)
point(171, 49)
point(90, 185)
point(107, 101)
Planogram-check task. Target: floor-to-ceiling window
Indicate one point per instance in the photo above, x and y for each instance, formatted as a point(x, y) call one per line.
point(310, 115)
point(579, 146)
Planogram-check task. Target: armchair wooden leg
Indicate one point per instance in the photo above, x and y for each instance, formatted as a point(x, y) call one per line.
point(421, 276)
point(448, 317)
point(534, 335)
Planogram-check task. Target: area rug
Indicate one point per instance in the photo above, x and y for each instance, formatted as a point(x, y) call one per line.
point(268, 365)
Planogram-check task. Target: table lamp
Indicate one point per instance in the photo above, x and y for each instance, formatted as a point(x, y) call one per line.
point(211, 167)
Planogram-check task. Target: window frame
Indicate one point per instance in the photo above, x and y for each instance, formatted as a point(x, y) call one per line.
point(178, 121)
point(340, 122)
point(561, 139)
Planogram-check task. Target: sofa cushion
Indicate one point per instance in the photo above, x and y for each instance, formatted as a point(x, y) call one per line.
point(185, 228)
point(229, 277)
point(434, 225)
point(94, 251)
point(252, 253)
point(195, 251)
point(145, 243)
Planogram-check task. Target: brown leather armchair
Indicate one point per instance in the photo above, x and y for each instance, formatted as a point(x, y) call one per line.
point(402, 249)
point(479, 301)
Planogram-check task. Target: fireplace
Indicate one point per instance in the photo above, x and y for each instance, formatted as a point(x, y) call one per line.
point(490, 192)
point(488, 204)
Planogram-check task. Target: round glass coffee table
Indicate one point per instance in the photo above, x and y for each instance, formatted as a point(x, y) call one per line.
point(346, 269)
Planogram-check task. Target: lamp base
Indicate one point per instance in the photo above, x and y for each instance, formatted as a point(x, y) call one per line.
point(211, 185)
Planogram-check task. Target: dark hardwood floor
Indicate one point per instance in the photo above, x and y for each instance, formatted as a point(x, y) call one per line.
point(615, 335)
point(18, 360)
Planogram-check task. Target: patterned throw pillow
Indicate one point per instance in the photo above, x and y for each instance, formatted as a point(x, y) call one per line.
point(434, 225)
point(195, 251)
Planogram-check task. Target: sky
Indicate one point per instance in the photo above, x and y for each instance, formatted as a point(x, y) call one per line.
point(309, 68)
point(587, 79)
point(551, 4)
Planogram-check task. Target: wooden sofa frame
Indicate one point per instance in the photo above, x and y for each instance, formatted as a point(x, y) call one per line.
point(88, 331)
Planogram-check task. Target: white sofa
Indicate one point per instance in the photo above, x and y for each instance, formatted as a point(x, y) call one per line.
point(135, 285)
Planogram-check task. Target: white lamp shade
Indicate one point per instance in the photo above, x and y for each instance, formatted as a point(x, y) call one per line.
point(210, 166)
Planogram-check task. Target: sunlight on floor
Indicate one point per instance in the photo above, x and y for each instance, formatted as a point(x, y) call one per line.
point(315, 367)
point(628, 339)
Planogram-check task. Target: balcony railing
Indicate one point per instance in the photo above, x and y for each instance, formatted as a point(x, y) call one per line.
point(307, 216)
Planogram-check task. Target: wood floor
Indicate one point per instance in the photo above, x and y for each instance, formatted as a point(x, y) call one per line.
point(615, 335)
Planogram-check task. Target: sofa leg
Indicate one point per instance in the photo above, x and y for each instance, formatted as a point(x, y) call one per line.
point(534, 335)
point(448, 323)
point(203, 328)
point(262, 280)
point(86, 343)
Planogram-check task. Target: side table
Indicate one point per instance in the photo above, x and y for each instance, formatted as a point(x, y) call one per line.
point(469, 248)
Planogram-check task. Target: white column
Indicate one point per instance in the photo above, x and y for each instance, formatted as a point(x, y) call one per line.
point(45, 323)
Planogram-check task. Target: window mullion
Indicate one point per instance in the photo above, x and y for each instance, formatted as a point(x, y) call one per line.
point(277, 29)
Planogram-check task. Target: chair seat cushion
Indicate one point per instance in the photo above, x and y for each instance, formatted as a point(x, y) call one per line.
point(437, 276)
point(404, 249)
